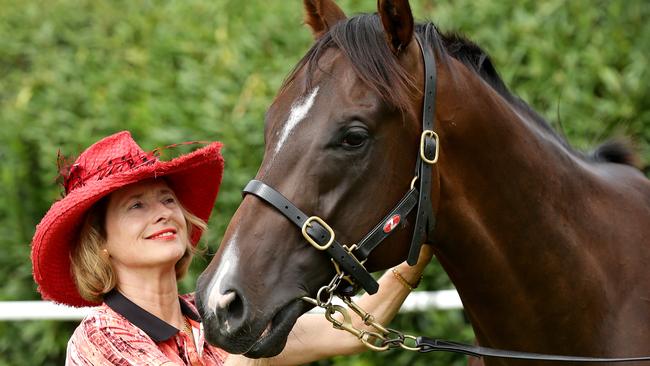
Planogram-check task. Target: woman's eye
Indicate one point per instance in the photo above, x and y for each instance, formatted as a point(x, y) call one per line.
point(135, 205)
point(354, 138)
point(169, 200)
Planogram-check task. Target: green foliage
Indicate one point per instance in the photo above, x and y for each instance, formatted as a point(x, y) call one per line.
point(73, 71)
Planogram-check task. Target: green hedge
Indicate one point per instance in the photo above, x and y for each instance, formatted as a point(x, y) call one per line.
point(73, 71)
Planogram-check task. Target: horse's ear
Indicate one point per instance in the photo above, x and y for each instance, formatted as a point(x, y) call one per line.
point(397, 19)
point(321, 15)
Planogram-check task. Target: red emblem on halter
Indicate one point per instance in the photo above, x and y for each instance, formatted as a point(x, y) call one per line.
point(391, 223)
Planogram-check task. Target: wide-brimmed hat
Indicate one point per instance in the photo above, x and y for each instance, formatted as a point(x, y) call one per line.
point(106, 166)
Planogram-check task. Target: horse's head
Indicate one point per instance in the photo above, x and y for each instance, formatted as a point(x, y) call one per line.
point(341, 143)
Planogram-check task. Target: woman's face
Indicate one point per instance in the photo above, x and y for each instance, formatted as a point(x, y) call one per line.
point(145, 227)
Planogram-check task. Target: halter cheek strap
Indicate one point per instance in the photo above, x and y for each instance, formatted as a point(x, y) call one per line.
point(429, 147)
point(428, 155)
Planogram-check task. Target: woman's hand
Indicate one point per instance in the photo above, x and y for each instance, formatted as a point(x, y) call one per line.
point(413, 274)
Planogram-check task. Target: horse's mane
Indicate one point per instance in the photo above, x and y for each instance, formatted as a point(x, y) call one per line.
point(361, 39)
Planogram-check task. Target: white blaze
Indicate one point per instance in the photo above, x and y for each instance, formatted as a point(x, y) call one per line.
point(299, 110)
point(228, 260)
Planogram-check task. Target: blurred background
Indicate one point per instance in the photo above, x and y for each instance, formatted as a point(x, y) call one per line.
point(74, 71)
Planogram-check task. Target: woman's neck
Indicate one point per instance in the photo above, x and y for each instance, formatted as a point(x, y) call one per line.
point(155, 293)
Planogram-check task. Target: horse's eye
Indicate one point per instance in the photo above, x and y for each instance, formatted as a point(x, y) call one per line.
point(354, 138)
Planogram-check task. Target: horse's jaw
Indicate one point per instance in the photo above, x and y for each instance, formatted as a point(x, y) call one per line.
point(274, 337)
point(256, 338)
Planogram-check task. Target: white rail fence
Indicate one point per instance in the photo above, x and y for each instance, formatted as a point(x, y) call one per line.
point(45, 310)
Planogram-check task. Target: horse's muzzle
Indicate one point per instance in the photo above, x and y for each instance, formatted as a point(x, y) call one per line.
point(229, 323)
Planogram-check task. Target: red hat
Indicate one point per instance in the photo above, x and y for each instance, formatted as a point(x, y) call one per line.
point(108, 165)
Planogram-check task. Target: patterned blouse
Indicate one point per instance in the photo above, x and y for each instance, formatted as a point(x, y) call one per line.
point(120, 332)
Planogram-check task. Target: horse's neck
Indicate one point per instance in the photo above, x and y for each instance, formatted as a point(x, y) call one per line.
point(505, 183)
point(500, 168)
point(506, 188)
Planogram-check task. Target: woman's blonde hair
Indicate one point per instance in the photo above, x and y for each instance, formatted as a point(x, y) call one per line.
point(92, 271)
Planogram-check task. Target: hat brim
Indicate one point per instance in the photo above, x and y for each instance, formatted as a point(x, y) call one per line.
point(195, 179)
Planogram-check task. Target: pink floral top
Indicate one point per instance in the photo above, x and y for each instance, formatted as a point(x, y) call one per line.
point(120, 332)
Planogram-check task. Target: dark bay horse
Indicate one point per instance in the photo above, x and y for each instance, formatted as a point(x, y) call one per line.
point(548, 247)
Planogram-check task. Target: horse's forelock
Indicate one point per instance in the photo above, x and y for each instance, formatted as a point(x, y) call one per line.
point(362, 41)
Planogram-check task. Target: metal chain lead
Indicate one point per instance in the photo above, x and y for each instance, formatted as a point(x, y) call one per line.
point(380, 340)
point(391, 338)
point(327, 291)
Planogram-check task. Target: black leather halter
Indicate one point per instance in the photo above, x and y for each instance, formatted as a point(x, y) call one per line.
point(349, 259)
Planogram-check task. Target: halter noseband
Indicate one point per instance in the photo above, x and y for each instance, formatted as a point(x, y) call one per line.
point(350, 259)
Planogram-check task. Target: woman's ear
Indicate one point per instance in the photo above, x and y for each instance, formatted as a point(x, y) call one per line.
point(321, 15)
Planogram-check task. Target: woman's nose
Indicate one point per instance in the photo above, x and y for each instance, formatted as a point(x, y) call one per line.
point(163, 213)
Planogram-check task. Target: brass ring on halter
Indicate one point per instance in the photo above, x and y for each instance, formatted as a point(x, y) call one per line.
point(415, 179)
point(319, 298)
point(425, 134)
point(312, 241)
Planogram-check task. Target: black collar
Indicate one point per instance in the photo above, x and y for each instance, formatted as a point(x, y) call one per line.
point(157, 329)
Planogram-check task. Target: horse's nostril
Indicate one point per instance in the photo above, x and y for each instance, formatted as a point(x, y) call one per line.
point(236, 306)
point(225, 300)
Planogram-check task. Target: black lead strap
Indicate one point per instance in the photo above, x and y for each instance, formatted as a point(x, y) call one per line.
point(430, 345)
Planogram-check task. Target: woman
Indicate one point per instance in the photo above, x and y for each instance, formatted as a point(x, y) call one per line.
point(122, 237)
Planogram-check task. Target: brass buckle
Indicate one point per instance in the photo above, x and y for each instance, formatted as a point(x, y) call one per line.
point(312, 241)
point(425, 134)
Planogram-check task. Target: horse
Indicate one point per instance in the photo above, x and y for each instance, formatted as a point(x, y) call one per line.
point(547, 246)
